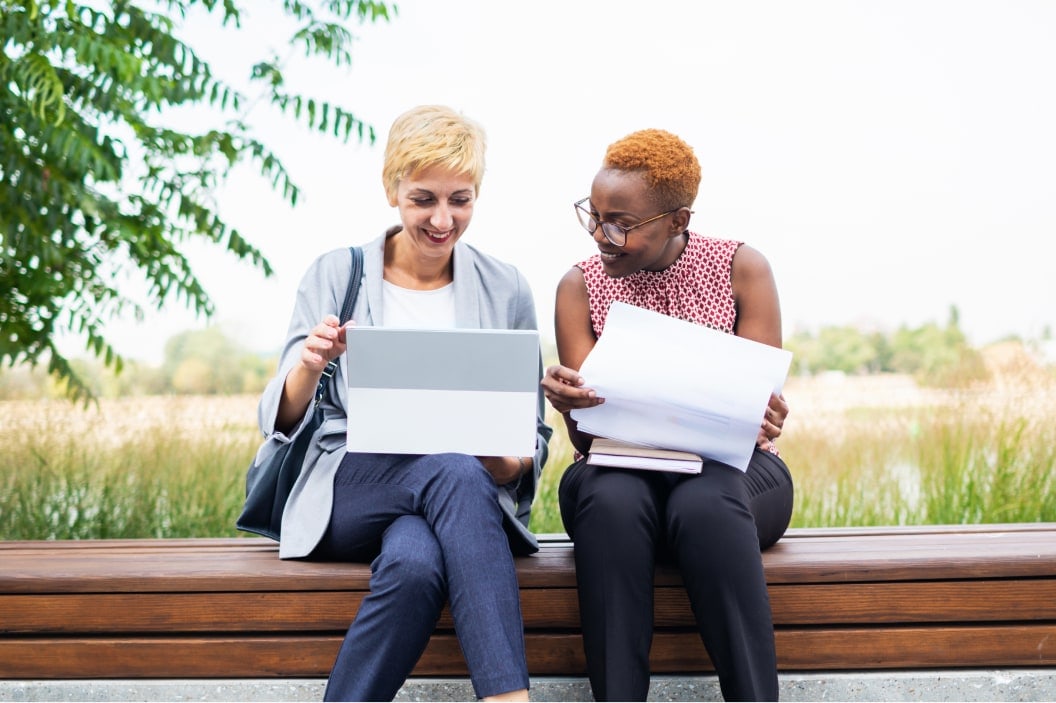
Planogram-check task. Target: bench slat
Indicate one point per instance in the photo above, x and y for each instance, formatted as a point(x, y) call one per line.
point(847, 604)
point(809, 649)
point(843, 599)
point(251, 564)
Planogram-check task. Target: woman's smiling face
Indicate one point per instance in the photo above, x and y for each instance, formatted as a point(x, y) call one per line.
point(622, 198)
point(436, 205)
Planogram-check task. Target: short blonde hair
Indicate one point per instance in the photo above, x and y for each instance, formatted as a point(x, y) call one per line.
point(432, 135)
point(668, 164)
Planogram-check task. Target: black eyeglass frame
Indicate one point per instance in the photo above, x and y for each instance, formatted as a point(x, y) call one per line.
point(611, 230)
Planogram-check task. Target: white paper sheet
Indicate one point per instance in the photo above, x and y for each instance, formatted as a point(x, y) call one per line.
point(677, 385)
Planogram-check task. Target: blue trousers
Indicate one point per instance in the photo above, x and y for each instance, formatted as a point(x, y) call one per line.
point(431, 528)
point(713, 526)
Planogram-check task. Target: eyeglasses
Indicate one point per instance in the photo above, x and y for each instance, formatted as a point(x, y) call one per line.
point(616, 234)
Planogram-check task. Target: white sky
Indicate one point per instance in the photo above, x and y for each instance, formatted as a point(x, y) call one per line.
point(891, 159)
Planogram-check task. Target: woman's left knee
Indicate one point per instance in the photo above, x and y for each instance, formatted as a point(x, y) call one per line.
point(464, 469)
point(723, 495)
point(412, 567)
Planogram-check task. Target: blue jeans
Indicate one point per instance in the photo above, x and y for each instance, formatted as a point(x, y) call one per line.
point(432, 528)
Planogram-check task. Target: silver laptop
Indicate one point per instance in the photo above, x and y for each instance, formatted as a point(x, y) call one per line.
point(416, 391)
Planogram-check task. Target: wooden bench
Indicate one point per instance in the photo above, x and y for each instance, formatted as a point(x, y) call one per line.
point(843, 599)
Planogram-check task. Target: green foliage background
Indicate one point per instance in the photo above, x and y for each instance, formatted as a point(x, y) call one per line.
point(98, 186)
point(209, 362)
point(934, 355)
point(196, 362)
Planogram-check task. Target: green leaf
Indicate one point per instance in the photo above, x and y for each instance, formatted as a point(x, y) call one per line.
point(96, 194)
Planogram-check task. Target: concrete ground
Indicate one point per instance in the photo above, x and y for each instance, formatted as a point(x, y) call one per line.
point(946, 685)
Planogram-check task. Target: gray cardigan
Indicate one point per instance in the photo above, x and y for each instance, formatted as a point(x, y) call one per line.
point(489, 294)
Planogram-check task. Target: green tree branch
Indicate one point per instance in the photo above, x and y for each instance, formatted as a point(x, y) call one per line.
point(93, 184)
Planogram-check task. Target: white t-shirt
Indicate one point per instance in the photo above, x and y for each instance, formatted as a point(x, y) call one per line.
point(419, 309)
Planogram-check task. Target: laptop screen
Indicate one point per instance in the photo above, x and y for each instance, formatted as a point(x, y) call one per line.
point(420, 391)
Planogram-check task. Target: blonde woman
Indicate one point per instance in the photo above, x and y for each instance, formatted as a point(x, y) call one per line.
point(435, 528)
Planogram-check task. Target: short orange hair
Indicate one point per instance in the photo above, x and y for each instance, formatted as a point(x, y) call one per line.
point(668, 164)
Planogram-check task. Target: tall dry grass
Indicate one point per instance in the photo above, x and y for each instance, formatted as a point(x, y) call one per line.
point(881, 450)
point(863, 451)
point(133, 467)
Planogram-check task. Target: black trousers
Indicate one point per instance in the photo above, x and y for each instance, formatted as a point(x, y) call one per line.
point(713, 526)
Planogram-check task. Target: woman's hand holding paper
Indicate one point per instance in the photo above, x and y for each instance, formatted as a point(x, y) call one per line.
point(773, 421)
point(563, 387)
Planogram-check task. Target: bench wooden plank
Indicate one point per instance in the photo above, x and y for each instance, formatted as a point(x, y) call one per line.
point(799, 649)
point(846, 598)
point(917, 556)
point(913, 602)
point(251, 564)
point(92, 613)
point(957, 601)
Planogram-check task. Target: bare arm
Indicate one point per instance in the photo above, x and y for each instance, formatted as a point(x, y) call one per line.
point(759, 319)
point(755, 294)
point(562, 384)
point(506, 469)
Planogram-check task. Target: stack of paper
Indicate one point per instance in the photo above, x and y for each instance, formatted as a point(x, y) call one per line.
point(611, 452)
point(673, 384)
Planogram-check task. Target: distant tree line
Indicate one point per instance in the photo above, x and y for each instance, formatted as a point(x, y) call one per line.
point(933, 354)
point(208, 362)
point(198, 362)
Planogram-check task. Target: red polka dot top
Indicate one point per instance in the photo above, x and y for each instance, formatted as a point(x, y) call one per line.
point(696, 288)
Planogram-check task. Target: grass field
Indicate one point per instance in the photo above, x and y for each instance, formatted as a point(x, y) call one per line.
point(863, 451)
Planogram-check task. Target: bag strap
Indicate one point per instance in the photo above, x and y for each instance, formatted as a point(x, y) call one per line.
point(353, 284)
point(346, 314)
